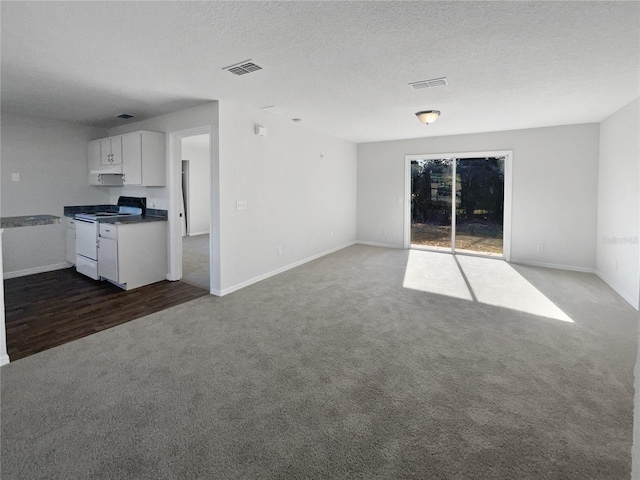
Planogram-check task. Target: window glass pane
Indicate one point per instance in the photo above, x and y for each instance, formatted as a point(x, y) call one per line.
point(431, 184)
point(480, 205)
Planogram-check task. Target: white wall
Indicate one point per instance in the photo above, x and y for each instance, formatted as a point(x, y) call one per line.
point(555, 179)
point(618, 259)
point(51, 158)
point(299, 186)
point(196, 150)
point(636, 430)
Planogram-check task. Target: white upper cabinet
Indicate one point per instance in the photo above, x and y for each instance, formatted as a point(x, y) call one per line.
point(132, 150)
point(101, 174)
point(144, 159)
point(111, 151)
point(137, 158)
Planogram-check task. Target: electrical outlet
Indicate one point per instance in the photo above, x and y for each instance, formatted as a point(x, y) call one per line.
point(15, 177)
point(279, 250)
point(241, 205)
point(331, 234)
point(384, 232)
point(540, 248)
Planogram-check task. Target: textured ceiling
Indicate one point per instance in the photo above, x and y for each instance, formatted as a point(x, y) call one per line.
point(342, 67)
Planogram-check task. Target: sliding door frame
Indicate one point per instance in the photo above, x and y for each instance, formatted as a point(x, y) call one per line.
point(508, 173)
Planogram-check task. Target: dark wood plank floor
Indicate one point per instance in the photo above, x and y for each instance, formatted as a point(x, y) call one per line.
point(49, 309)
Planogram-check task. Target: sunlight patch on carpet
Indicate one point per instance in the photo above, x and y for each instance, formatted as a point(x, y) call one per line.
point(435, 273)
point(483, 280)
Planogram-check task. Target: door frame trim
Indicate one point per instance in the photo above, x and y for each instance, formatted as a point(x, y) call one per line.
point(508, 191)
point(175, 222)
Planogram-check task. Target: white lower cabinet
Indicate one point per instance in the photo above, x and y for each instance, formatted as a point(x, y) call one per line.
point(70, 224)
point(108, 259)
point(133, 254)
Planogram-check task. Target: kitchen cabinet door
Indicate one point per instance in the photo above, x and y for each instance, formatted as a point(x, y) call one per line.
point(111, 151)
point(105, 151)
point(154, 159)
point(71, 241)
point(116, 150)
point(108, 259)
point(132, 158)
point(144, 159)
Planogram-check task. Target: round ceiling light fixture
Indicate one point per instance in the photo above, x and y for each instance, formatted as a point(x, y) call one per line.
point(428, 116)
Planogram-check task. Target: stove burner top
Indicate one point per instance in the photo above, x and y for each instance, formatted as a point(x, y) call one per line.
point(127, 206)
point(97, 215)
point(110, 214)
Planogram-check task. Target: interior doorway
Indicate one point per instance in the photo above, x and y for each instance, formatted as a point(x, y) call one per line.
point(459, 203)
point(195, 209)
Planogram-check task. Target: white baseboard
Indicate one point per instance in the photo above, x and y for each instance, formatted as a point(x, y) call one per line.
point(631, 301)
point(556, 266)
point(375, 244)
point(4, 359)
point(32, 271)
point(259, 278)
point(195, 234)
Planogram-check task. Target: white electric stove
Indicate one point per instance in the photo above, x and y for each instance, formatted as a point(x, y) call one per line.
point(88, 228)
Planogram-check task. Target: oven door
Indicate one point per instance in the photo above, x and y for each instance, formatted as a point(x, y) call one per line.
point(87, 248)
point(87, 238)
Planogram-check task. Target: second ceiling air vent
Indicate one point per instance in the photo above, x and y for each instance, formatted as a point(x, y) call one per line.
point(243, 68)
point(434, 82)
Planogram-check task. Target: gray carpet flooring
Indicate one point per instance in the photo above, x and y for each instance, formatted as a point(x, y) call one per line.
point(195, 260)
point(368, 363)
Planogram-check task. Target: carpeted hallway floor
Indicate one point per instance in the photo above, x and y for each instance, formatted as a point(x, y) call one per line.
point(368, 363)
point(195, 260)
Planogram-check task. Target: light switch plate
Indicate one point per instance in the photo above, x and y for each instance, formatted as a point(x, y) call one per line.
point(15, 177)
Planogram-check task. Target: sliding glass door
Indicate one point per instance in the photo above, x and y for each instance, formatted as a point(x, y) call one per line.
point(458, 204)
point(431, 187)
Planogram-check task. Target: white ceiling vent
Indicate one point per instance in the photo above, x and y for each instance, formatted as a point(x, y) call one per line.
point(243, 68)
point(434, 82)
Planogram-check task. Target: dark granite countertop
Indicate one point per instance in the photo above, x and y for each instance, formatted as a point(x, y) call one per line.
point(132, 219)
point(152, 214)
point(29, 221)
